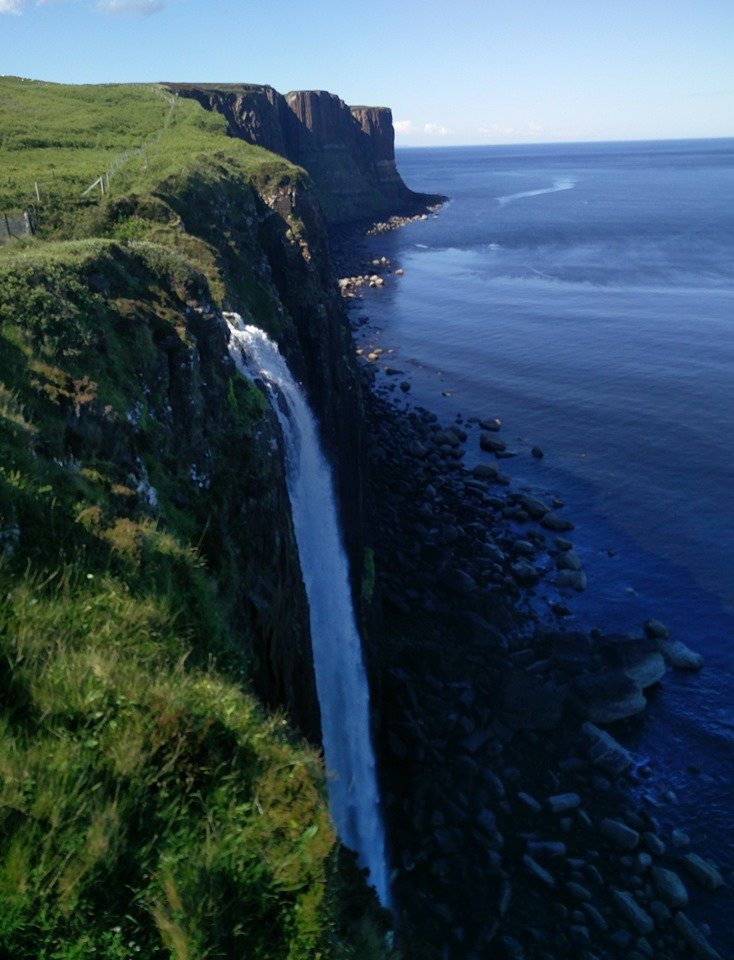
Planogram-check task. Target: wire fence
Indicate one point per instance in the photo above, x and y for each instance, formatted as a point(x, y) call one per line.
point(103, 181)
point(16, 224)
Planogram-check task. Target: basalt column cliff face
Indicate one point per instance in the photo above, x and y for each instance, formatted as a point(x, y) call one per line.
point(348, 151)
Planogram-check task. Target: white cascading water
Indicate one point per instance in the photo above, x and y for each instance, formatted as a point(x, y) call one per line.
point(341, 682)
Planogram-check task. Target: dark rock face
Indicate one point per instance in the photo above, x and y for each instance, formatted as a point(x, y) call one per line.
point(348, 151)
point(316, 342)
point(256, 113)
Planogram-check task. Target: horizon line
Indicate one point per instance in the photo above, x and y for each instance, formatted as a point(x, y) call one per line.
point(556, 143)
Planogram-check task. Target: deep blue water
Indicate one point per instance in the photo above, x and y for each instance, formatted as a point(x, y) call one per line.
point(584, 294)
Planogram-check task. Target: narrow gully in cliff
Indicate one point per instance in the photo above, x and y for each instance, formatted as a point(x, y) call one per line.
point(341, 681)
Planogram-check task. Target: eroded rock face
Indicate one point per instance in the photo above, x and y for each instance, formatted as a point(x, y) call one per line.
point(348, 151)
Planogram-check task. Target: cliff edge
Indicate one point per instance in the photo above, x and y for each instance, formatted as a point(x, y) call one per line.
point(349, 152)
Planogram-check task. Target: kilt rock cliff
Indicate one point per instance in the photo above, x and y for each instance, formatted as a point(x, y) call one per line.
point(162, 792)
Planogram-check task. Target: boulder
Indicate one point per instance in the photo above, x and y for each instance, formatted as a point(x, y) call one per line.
point(492, 425)
point(535, 870)
point(491, 444)
point(551, 521)
point(654, 844)
point(534, 507)
point(702, 871)
point(485, 471)
point(680, 656)
point(563, 802)
point(694, 938)
point(670, 887)
point(571, 580)
point(569, 560)
point(619, 833)
point(547, 848)
point(656, 630)
point(638, 657)
point(578, 892)
point(633, 912)
point(606, 697)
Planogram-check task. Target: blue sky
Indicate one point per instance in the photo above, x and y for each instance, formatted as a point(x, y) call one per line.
point(455, 72)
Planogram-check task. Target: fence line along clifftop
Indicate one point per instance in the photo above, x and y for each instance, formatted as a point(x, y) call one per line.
point(103, 181)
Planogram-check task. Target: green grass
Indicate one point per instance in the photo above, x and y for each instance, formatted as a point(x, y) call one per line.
point(143, 777)
point(63, 137)
point(149, 806)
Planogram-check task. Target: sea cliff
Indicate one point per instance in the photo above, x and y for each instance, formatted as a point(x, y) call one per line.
point(349, 152)
point(157, 794)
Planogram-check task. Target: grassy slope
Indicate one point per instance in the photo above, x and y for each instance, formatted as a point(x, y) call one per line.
point(148, 806)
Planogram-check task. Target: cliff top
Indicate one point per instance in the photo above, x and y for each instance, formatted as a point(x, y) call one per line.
point(66, 148)
point(208, 87)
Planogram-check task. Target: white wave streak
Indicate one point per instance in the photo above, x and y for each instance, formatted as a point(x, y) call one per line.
point(558, 185)
point(341, 681)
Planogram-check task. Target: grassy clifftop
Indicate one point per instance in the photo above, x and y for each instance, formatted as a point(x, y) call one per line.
point(64, 137)
point(149, 805)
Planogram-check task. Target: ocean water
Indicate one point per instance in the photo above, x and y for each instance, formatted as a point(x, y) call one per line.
point(584, 294)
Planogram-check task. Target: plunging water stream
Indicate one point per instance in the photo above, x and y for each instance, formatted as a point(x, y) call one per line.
point(341, 682)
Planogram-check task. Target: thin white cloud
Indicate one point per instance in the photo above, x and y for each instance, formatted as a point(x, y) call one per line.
point(137, 8)
point(403, 126)
point(436, 130)
point(499, 130)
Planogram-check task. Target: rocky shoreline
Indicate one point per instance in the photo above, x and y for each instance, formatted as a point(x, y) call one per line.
point(518, 824)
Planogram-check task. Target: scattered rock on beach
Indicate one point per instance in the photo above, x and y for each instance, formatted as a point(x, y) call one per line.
point(656, 629)
point(703, 871)
point(492, 425)
point(607, 696)
point(552, 521)
point(491, 444)
point(680, 656)
point(604, 751)
point(633, 912)
point(670, 887)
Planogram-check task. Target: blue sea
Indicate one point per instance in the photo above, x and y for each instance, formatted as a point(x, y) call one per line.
point(584, 294)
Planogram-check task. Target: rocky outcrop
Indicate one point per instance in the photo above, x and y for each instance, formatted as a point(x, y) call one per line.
point(348, 151)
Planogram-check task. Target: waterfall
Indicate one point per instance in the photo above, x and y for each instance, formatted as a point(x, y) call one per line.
point(341, 682)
